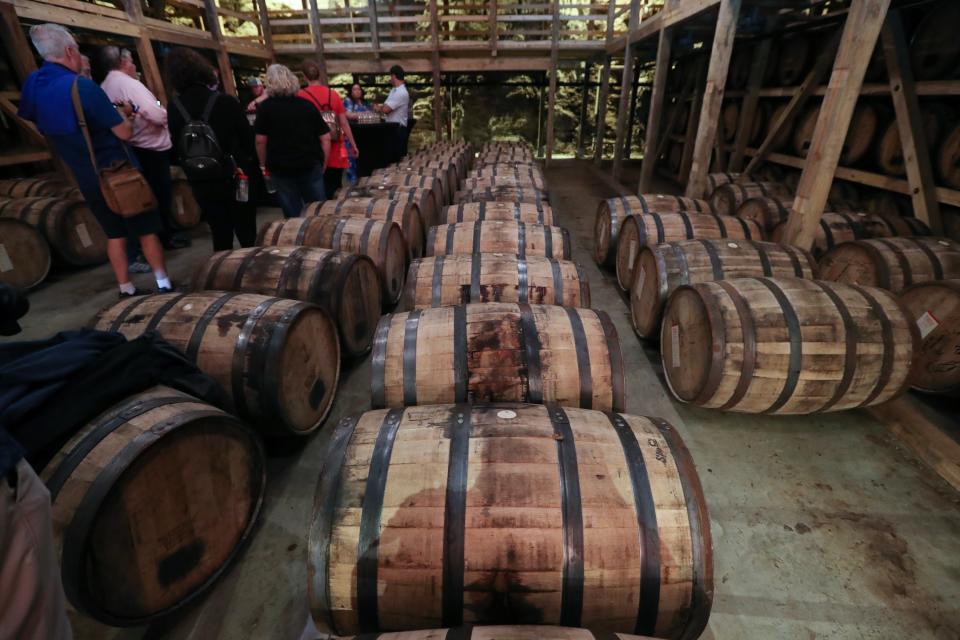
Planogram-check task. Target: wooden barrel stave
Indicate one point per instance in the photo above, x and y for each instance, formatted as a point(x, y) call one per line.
point(68, 225)
point(278, 359)
point(495, 352)
point(718, 178)
point(381, 241)
point(24, 254)
point(493, 277)
point(17, 188)
point(404, 213)
point(519, 211)
point(499, 236)
point(785, 346)
point(663, 268)
point(499, 465)
point(892, 263)
point(345, 285)
point(151, 502)
point(935, 309)
point(641, 230)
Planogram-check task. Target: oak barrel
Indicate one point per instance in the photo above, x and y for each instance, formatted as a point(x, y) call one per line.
point(498, 351)
point(509, 514)
point(727, 198)
point(860, 135)
point(445, 172)
point(24, 254)
point(642, 230)
point(345, 285)
point(794, 60)
point(948, 158)
point(889, 148)
point(453, 164)
point(502, 194)
point(520, 211)
point(423, 198)
point(508, 169)
point(184, 211)
point(151, 502)
point(892, 263)
point(612, 212)
point(278, 359)
point(404, 213)
point(663, 268)
point(506, 181)
point(785, 346)
point(503, 632)
point(834, 229)
point(408, 180)
point(768, 212)
point(716, 179)
point(935, 307)
point(783, 134)
point(499, 236)
point(69, 227)
point(380, 241)
point(445, 281)
point(33, 187)
point(935, 48)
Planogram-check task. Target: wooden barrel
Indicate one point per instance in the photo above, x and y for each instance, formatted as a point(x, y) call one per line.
point(446, 281)
point(499, 236)
point(794, 60)
point(510, 181)
point(889, 149)
point(33, 187)
point(714, 180)
point(768, 212)
point(151, 502)
point(663, 268)
point(423, 198)
point(345, 285)
point(785, 346)
point(727, 198)
point(948, 158)
point(278, 359)
point(612, 212)
point(782, 137)
point(504, 632)
point(24, 254)
point(452, 163)
point(740, 63)
point(496, 352)
point(380, 241)
point(445, 172)
point(69, 227)
point(404, 213)
point(184, 211)
point(935, 308)
point(642, 230)
point(892, 263)
point(502, 194)
point(507, 169)
point(408, 180)
point(521, 212)
point(509, 514)
point(883, 225)
point(730, 117)
point(934, 48)
point(839, 227)
point(860, 135)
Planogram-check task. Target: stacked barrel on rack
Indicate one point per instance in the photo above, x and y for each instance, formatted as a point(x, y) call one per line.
point(495, 467)
point(755, 326)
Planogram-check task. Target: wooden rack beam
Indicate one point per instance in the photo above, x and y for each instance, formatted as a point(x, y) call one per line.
point(657, 100)
point(625, 86)
point(552, 100)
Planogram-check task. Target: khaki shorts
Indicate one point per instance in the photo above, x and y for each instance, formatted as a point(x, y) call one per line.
point(31, 593)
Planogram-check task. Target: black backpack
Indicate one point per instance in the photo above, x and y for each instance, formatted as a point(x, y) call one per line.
point(201, 157)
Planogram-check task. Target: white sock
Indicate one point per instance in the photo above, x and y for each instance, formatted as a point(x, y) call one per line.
point(163, 282)
point(128, 288)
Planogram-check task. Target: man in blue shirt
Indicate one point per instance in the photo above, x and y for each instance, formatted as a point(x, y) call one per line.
point(47, 100)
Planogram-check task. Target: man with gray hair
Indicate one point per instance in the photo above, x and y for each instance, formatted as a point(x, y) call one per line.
point(48, 100)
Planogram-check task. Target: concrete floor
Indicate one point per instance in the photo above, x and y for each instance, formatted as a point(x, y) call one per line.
point(823, 526)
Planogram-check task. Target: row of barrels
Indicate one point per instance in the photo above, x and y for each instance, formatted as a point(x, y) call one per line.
point(494, 317)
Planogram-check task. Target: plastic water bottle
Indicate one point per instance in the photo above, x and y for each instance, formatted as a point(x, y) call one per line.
point(243, 186)
point(268, 182)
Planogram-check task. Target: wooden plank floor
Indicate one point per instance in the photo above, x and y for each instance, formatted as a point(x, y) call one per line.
point(823, 526)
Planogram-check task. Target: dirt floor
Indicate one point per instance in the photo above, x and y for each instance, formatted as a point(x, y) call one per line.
point(823, 526)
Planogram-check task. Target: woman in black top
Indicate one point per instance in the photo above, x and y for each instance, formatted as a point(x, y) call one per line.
point(293, 142)
point(191, 76)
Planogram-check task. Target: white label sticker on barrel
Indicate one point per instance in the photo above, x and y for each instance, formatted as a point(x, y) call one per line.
point(84, 235)
point(632, 254)
point(733, 245)
point(188, 306)
point(5, 263)
point(180, 207)
point(675, 344)
point(507, 414)
point(927, 323)
point(639, 282)
point(945, 243)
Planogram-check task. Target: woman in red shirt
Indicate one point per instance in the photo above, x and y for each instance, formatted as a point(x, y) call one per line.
point(326, 99)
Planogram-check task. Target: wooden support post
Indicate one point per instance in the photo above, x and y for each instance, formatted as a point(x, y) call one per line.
point(265, 29)
point(604, 95)
point(554, 70)
point(494, 31)
point(16, 43)
point(227, 82)
point(800, 97)
point(713, 96)
point(623, 113)
point(316, 33)
point(628, 143)
point(584, 99)
point(657, 98)
point(913, 139)
point(719, 142)
point(751, 98)
point(374, 27)
point(864, 20)
point(694, 118)
point(540, 122)
point(148, 61)
point(435, 61)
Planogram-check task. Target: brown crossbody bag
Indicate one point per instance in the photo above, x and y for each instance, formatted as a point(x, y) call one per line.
point(124, 188)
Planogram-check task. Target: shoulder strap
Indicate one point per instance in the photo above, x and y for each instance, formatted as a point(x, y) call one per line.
point(182, 109)
point(207, 110)
point(82, 121)
point(329, 102)
point(313, 98)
